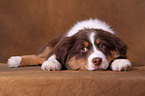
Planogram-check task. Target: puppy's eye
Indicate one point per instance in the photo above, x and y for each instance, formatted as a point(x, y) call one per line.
point(84, 49)
point(102, 46)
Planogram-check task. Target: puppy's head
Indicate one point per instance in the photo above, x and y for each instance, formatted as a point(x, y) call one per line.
point(89, 49)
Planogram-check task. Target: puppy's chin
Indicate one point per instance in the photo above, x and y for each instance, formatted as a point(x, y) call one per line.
point(98, 69)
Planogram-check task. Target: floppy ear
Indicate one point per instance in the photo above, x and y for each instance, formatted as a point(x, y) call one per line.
point(120, 48)
point(63, 48)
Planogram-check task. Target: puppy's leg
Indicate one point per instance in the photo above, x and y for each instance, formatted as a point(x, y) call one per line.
point(26, 60)
point(121, 64)
point(51, 64)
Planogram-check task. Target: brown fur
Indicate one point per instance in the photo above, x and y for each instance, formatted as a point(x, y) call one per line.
point(31, 60)
point(45, 52)
point(114, 54)
point(114, 43)
point(80, 64)
point(47, 48)
point(86, 44)
point(98, 41)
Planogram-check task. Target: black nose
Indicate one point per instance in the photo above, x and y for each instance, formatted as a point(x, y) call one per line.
point(97, 61)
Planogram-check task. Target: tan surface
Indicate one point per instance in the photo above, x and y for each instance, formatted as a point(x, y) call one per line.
point(32, 81)
point(26, 25)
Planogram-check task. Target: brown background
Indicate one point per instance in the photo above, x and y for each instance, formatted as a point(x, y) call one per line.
point(26, 25)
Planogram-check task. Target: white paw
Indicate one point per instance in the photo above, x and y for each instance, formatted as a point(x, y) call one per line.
point(51, 65)
point(14, 61)
point(120, 64)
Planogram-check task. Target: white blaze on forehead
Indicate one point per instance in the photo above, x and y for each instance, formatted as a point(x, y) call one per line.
point(96, 53)
point(89, 24)
point(92, 39)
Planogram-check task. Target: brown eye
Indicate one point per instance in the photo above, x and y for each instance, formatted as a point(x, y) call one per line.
point(102, 46)
point(84, 49)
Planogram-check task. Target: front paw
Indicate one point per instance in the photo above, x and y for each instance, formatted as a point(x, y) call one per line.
point(121, 64)
point(51, 65)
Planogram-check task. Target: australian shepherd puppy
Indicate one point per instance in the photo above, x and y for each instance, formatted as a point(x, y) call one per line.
point(88, 45)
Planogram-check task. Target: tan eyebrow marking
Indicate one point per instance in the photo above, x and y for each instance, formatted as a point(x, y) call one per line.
point(98, 41)
point(86, 44)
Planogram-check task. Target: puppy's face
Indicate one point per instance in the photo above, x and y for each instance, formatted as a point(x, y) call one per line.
point(89, 49)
